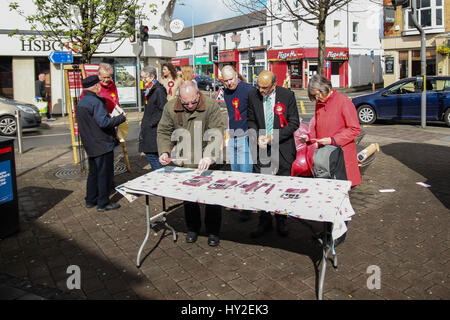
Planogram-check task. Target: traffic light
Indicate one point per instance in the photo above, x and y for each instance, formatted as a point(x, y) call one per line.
point(215, 53)
point(144, 33)
point(251, 57)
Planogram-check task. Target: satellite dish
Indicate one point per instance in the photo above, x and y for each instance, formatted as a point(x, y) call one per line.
point(176, 26)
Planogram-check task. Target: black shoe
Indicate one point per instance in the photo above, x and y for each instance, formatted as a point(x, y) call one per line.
point(191, 237)
point(90, 205)
point(213, 240)
point(282, 228)
point(109, 206)
point(261, 229)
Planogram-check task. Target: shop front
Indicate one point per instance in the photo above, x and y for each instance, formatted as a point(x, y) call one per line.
point(302, 64)
point(180, 62)
point(204, 66)
point(251, 72)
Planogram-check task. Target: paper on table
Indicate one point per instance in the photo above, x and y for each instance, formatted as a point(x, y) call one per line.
point(423, 184)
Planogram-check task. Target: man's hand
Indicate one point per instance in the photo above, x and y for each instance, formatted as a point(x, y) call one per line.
point(205, 163)
point(263, 141)
point(164, 159)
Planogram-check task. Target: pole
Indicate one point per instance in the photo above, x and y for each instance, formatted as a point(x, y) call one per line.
point(193, 41)
point(373, 75)
point(19, 130)
point(138, 71)
point(423, 64)
point(63, 92)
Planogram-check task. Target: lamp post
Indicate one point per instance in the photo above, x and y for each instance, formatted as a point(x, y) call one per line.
point(193, 35)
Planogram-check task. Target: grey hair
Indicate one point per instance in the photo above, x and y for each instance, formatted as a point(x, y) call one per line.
point(150, 71)
point(319, 83)
point(188, 83)
point(106, 67)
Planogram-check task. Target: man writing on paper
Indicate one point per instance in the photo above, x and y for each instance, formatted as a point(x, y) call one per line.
point(191, 115)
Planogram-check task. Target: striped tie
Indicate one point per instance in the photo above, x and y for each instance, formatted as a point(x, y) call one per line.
point(269, 115)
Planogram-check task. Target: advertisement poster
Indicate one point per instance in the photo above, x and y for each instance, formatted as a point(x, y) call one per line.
point(6, 187)
point(126, 83)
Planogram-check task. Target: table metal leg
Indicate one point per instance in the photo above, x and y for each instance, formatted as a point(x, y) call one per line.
point(327, 247)
point(151, 221)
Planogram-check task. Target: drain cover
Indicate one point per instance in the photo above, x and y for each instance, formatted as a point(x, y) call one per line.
point(75, 172)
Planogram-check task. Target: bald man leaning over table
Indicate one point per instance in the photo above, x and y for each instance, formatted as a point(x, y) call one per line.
point(273, 108)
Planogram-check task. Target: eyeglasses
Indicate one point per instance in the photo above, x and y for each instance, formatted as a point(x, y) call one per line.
point(265, 88)
point(185, 104)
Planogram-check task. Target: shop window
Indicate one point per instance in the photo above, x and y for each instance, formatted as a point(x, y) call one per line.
point(403, 63)
point(355, 31)
point(416, 67)
point(6, 78)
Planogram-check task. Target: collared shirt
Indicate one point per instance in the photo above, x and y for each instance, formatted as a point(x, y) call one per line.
point(266, 99)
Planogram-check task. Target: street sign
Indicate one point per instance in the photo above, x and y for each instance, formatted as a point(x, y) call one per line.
point(61, 57)
point(327, 64)
point(372, 54)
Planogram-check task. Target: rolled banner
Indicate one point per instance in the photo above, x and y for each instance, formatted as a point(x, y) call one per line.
point(279, 110)
point(237, 114)
point(170, 84)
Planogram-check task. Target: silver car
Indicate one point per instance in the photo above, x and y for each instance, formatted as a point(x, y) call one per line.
point(29, 114)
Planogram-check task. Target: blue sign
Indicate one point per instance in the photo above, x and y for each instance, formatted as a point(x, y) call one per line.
point(327, 64)
point(6, 189)
point(372, 54)
point(61, 57)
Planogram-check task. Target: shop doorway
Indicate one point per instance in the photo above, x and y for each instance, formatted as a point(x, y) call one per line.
point(42, 65)
point(6, 77)
point(335, 74)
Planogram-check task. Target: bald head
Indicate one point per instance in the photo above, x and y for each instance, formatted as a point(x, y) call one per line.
point(267, 81)
point(230, 77)
point(189, 95)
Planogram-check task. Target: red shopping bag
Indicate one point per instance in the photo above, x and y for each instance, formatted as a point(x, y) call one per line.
point(303, 164)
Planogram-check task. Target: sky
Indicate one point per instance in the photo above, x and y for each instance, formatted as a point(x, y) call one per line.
point(204, 11)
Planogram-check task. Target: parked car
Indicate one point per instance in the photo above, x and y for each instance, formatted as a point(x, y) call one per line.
point(29, 114)
point(402, 100)
point(207, 83)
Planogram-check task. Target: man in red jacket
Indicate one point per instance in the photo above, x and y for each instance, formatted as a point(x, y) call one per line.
point(108, 88)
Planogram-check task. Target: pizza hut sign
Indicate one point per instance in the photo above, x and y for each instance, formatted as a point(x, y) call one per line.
point(337, 55)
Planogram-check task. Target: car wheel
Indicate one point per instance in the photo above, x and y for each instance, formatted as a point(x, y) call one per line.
point(447, 117)
point(366, 114)
point(8, 126)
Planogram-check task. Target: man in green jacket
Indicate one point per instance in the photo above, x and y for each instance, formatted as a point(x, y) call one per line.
point(194, 118)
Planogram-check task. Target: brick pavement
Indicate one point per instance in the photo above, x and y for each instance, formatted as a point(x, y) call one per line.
point(404, 233)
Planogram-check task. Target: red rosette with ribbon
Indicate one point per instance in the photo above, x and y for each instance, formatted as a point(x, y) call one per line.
point(171, 84)
point(279, 109)
point(237, 114)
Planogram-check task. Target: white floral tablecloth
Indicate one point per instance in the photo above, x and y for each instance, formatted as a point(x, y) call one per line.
point(311, 199)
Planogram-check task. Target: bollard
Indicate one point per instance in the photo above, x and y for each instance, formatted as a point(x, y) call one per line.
point(19, 130)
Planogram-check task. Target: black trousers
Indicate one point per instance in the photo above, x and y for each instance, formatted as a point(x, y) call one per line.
point(266, 217)
point(213, 218)
point(100, 179)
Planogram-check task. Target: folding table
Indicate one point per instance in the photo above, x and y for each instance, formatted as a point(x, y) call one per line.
point(322, 200)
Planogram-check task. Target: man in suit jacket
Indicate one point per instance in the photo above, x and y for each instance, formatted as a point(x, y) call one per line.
point(273, 109)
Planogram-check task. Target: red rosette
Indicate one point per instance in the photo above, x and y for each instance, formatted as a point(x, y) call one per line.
point(237, 114)
point(171, 84)
point(279, 110)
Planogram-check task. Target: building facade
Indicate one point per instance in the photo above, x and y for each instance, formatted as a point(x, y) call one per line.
point(402, 41)
point(22, 58)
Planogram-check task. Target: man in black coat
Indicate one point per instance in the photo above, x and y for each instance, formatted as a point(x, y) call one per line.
point(98, 135)
point(273, 109)
point(155, 99)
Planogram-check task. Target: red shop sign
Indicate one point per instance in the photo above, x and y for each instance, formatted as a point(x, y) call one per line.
point(228, 56)
point(336, 54)
point(285, 54)
point(180, 62)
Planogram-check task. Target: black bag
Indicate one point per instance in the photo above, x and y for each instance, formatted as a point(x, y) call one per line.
point(329, 162)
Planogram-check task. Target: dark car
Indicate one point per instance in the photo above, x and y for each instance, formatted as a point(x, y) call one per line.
point(402, 100)
point(29, 114)
point(207, 83)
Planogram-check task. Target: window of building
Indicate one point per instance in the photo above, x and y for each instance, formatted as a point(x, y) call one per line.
point(355, 31)
point(249, 39)
point(280, 5)
point(295, 29)
point(6, 77)
point(187, 44)
point(280, 33)
point(296, 4)
point(429, 14)
point(403, 63)
point(261, 36)
point(204, 43)
point(224, 42)
point(337, 31)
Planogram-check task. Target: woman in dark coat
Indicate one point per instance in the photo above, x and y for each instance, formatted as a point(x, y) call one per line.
point(155, 99)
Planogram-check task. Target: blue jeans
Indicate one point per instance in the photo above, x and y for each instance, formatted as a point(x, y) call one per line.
point(153, 159)
point(240, 155)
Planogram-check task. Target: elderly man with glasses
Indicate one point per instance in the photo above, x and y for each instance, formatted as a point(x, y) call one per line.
point(108, 87)
point(271, 108)
point(193, 112)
